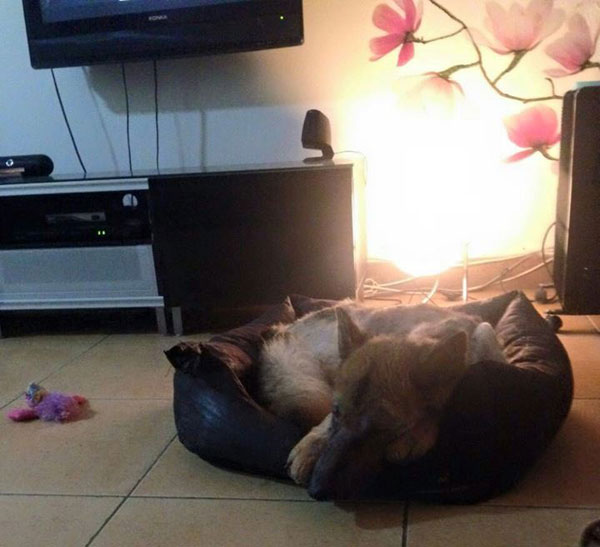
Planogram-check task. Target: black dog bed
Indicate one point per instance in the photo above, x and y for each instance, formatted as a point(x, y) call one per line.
point(499, 420)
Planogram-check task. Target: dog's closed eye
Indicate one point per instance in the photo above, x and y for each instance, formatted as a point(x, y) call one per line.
point(335, 409)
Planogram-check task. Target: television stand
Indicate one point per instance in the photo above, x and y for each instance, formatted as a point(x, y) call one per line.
point(218, 238)
point(72, 243)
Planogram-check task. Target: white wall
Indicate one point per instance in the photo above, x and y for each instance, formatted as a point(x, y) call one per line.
point(250, 107)
point(213, 110)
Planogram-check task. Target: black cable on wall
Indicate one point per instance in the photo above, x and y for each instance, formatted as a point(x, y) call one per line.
point(155, 71)
point(62, 108)
point(127, 117)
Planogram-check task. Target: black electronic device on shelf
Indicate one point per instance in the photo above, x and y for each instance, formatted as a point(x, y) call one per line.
point(31, 165)
point(68, 242)
point(80, 219)
point(86, 32)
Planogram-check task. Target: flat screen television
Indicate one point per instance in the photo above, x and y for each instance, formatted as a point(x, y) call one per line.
point(85, 32)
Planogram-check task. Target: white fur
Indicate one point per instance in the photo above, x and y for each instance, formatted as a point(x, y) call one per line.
point(300, 361)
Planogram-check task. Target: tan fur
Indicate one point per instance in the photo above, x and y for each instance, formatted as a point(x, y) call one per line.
point(371, 383)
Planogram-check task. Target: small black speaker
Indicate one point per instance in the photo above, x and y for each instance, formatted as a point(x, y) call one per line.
point(34, 165)
point(316, 135)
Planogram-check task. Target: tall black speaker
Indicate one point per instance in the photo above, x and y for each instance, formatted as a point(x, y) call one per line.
point(577, 237)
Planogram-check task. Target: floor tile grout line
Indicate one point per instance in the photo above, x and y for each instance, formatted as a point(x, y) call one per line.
point(65, 364)
point(106, 521)
point(265, 499)
point(128, 495)
point(490, 505)
point(593, 323)
point(405, 523)
point(72, 360)
point(117, 399)
point(540, 507)
point(363, 502)
point(406, 505)
point(152, 465)
point(230, 498)
point(50, 495)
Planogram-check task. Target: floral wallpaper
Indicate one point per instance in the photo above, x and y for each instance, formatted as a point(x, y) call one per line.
point(513, 31)
point(521, 55)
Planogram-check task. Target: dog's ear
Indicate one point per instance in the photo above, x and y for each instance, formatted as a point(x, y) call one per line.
point(442, 363)
point(271, 331)
point(350, 337)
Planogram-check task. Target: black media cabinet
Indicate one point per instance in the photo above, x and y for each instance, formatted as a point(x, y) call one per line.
point(220, 237)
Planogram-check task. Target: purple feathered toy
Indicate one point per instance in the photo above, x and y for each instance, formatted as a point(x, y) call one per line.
point(50, 406)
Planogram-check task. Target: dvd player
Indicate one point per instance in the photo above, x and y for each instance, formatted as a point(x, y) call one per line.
point(77, 219)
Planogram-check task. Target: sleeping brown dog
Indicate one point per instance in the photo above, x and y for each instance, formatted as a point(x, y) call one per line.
point(367, 386)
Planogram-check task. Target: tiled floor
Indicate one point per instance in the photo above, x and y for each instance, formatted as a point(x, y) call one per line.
point(121, 478)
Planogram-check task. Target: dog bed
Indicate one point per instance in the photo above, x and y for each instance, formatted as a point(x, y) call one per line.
point(498, 421)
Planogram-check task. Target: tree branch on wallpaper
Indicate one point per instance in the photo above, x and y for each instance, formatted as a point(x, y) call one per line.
point(514, 32)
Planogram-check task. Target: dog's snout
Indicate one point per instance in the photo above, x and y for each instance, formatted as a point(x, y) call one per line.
point(319, 492)
point(346, 466)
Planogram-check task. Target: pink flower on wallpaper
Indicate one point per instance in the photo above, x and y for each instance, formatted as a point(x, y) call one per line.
point(399, 29)
point(437, 93)
point(575, 49)
point(519, 28)
point(535, 129)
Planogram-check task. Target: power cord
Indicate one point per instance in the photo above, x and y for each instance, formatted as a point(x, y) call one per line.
point(546, 262)
point(127, 116)
point(62, 108)
point(541, 294)
point(155, 72)
point(375, 290)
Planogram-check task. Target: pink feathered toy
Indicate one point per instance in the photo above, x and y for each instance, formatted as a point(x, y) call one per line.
point(50, 406)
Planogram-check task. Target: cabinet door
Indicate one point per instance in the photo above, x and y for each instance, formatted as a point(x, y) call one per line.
point(253, 237)
point(78, 277)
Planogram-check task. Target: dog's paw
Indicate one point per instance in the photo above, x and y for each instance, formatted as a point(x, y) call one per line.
point(407, 449)
point(399, 451)
point(303, 457)
point(413, 444)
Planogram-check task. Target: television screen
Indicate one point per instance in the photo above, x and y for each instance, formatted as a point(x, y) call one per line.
point(84, 32)
point(54, 11)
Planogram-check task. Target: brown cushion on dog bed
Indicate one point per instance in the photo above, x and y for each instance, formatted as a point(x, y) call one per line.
point(498, 421)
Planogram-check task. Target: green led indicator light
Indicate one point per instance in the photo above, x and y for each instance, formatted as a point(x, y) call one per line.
point(101, 232)
point(282, 17)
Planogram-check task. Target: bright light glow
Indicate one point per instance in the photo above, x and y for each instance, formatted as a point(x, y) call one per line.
point(435, 184)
